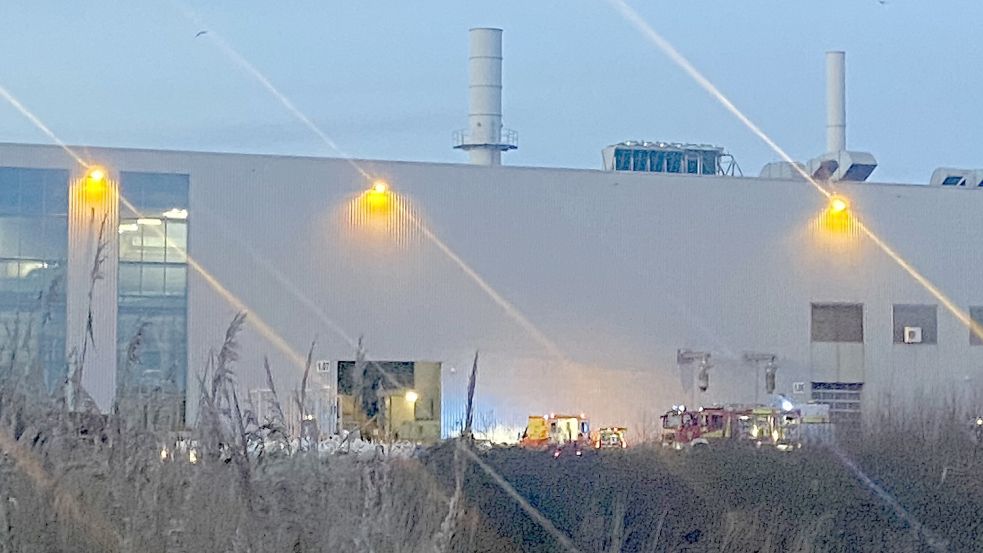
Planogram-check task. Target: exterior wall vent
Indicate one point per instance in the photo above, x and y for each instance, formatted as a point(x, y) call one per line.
point(951, 177)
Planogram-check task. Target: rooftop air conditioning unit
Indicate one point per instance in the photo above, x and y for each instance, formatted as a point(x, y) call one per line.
point(912, 334)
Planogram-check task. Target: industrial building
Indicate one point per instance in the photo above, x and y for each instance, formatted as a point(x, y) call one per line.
point(596, 291)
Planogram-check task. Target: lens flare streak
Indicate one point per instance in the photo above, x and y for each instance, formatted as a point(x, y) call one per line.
point(636, 20)
point(261, 78)
point(13, 101)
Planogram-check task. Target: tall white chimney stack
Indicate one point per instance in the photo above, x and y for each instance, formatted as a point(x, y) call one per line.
point(838, 163)
point(485, 139)
point(835, 101)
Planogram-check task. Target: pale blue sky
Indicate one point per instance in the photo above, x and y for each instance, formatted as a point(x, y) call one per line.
point(388, 79)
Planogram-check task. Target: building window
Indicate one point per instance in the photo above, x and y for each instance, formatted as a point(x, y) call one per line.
point(153, 290)
point(622, 159)
point(953, 180)
point(33, 254)
point(838, 322)
point(843, 398)
point(657, 161)
point(709, 163)
point(976, 314)
point(915, 324)
point(674, 162)
point(640, 160)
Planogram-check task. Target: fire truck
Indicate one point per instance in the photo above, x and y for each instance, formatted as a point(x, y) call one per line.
point(756, 425)
point(610, 437)
point(557, 433)
point(681, 428)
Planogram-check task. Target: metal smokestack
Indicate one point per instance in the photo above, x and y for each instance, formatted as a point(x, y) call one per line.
point(485, 139)
point(835, 102)
point(839, 164)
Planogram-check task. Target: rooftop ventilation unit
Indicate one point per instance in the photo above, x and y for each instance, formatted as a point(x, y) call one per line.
point(839, 164)
point(958, 178)
point(639, 156)
point(783, 170)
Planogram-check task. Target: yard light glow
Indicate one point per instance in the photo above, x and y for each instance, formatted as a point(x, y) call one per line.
point(836, 219)
point(378, 199)
point(94, 184)
point(838, 204)
point(412, 396)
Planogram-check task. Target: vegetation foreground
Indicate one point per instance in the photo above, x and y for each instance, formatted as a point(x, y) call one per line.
point(72, 481)
point(62, 489)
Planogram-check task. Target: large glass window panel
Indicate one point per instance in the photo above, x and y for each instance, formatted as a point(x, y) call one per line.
point(130, 241)
point(176, 280)
point(9, 271)
point(33, 249)
point(163, 357)
point(129, 279)
point(32, 242)
point(56, 193)
point(32, 192)
point(177, 241)
point(155, 193)
point(9, 190)
point(152, 282)
point(55, 237)
point(152, 240)
point(640, 160)
point(9, 236)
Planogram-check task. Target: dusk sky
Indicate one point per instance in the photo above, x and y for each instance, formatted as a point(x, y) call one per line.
point(388, 80)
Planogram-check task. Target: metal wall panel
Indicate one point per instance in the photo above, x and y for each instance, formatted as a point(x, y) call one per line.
point(608, 274)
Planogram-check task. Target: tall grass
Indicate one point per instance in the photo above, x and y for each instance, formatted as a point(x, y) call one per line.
point(72, 480)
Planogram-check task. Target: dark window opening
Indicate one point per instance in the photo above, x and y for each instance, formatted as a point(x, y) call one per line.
point(838, 322)
point(915, 324)
point(976, 332)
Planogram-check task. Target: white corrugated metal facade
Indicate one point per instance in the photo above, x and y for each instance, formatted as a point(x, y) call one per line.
point(615, 272)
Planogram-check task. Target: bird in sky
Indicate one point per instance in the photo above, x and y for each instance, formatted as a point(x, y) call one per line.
point(200, 33)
